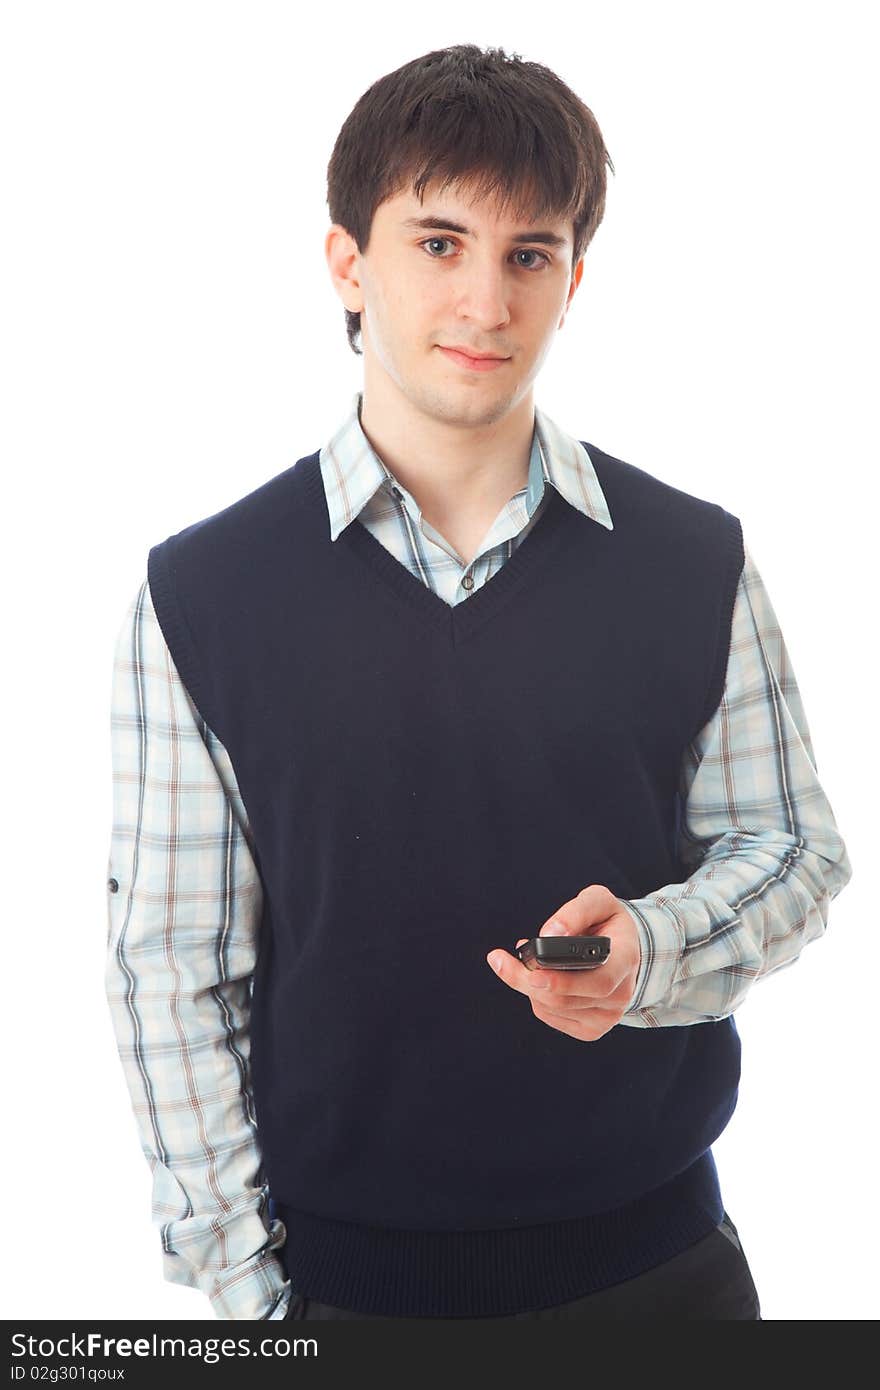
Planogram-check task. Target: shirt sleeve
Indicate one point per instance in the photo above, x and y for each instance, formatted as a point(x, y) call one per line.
point(184, 908)
point(759, 831)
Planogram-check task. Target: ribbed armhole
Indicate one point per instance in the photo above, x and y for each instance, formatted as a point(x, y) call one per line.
point(175, 629)
point(734, 561)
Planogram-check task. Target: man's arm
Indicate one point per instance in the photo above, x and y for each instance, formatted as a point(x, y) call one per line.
point(182, 942)
point(758, 828)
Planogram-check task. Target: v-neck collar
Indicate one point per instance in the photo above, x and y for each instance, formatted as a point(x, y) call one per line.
point(459, 621)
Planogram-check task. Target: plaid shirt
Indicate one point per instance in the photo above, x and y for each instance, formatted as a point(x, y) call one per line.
point(185, 898)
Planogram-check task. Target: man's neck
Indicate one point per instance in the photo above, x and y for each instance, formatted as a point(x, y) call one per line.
point(460, 477)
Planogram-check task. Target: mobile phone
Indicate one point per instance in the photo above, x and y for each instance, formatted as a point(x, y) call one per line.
point(564, 952)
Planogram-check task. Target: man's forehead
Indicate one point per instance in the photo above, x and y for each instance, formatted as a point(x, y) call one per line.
point(465, 205)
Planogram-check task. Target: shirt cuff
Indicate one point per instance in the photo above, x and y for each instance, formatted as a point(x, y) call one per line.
point(254, 1290)
point(661, 943)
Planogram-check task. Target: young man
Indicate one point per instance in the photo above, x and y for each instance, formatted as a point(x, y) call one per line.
point(450, 682)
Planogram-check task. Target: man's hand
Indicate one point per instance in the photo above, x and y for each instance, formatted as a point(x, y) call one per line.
point(582, 1003)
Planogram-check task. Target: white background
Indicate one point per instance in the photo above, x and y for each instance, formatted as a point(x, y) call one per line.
point(171, 339)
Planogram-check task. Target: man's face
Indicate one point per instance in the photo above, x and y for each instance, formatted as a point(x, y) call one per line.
point(489, 285)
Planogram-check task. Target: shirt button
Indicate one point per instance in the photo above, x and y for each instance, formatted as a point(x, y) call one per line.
point(468, 582)
point(113, 885)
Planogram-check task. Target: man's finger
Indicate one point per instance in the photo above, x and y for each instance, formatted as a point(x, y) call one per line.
point(514, 973)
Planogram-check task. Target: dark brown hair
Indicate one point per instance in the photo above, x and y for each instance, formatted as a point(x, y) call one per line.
point(511, 129)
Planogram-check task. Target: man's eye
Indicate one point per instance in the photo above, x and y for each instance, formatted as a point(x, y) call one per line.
point(433, 241)
point(522, 251)
point(527, 251)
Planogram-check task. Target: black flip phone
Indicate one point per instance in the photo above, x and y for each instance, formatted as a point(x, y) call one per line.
point(564, 952)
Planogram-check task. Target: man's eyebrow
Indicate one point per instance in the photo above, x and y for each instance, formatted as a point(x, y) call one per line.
point(444, 224)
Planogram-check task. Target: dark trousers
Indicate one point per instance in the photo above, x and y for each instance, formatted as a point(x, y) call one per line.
point(710, 1279)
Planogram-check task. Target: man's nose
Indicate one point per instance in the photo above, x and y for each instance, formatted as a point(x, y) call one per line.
point(484, 295)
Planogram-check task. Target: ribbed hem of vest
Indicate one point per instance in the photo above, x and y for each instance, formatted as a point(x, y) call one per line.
point(493, 1273)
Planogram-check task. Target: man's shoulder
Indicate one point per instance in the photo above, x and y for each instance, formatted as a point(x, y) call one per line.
point(251, 519)
point(637, 486)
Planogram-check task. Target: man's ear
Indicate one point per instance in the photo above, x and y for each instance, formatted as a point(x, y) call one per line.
point(575, 281)
point(342, 254)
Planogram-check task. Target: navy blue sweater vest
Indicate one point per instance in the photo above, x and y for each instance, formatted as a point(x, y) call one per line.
point(425, 782)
